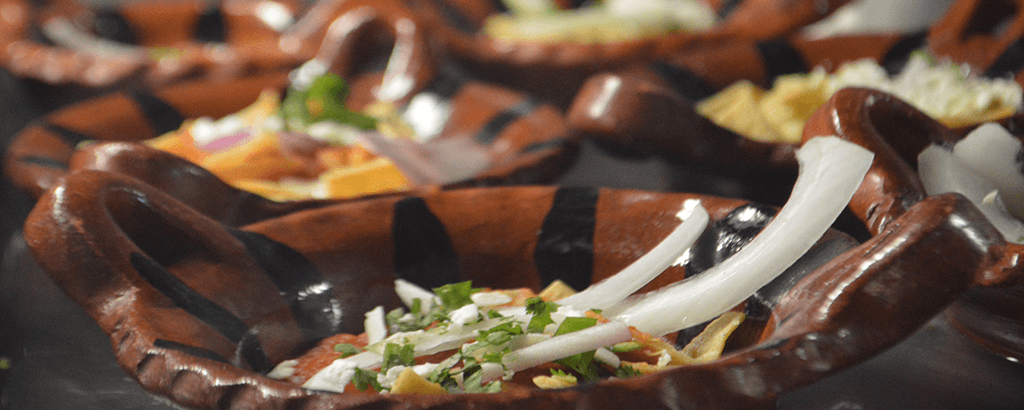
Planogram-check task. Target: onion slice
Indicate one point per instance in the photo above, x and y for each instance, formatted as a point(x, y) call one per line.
point(830, 172)
point(941, 172)
point(993, 153)
point(562, 346)
point(616, 288)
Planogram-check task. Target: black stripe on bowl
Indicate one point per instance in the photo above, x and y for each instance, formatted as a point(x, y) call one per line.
point(565, 244)
point(72, 137)
point(546, 145)
point(448, 82)
point(210, 26)
point(685, 82)
point(308, 294)
point(780, 58)
point(110, 24)
point(162, 116)
point(217, 317)
point(728, 6)
point(424, 253)
point(497, 124)
point(455, 17)
point(898, 55)
point(1008, 63)
point(43, 162)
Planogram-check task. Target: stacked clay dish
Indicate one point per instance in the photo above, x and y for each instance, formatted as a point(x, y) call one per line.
point(192, 332)
point(897, 133)
point(615, 109)
point(523, 141)
point(68, 49)
point(555, 70)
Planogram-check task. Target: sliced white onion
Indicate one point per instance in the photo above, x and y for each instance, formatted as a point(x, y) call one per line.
point(408, 292)
point(616, 288)
point(830, 172)
point(562, 346)
point(993, 153)
point(339, 373)
point(375, 325)
point(942, 172)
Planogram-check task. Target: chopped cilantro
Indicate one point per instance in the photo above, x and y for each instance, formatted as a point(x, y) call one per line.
point(500, 334)
point(324, 100)
point(541, 312)
point(583, 364)
point(473, 382)
point(573, 324)
point(626, 371)
point(346, 349)
point(398, 355)
point(455, 295)
point(364, 379)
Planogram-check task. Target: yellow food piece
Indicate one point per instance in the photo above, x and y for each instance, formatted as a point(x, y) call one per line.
point(275, 191)
point(408, 382)
point(556, 290)
point(374, 176)
point(738, 109)
point(779, 114)
point(710, 343)
point(555, 381)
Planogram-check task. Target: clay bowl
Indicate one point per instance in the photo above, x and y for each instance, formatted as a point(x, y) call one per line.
point(151, 42)
point(648, 110)
point(897, 133)
point(525, 142)
point(554, 71)
point(381, 56)
point(618, 109)
point(198, 311)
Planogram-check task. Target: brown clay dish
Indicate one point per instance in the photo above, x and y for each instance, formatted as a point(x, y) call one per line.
point(554, 71)
point(626, 111)
point(160, 41)
point(897, 133)
point(197, 310)
point(525, 141)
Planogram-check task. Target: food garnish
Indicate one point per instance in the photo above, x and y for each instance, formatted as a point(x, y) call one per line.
point(985, 167)
point(487, 339)
point(602, 22)
point(306, 145)
point(946, 91)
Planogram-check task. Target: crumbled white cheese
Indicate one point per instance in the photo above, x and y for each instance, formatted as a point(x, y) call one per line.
point(283, 370)
point(334, 377)
point(484, 299)
point(464, 316)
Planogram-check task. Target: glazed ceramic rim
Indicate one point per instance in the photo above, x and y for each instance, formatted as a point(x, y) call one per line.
point(221, 60)
point(801, 349)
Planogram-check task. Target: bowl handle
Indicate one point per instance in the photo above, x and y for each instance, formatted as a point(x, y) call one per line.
point(141, 262)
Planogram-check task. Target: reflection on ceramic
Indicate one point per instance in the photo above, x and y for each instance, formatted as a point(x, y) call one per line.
point(553, 71)
point(165, 282)
point(627, 111)
point(897, 133)
point(63, 42)
point(879, 16)
point(523, 141)
point(649, 110)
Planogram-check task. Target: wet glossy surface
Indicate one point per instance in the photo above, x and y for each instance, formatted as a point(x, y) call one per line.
point(60, 356)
